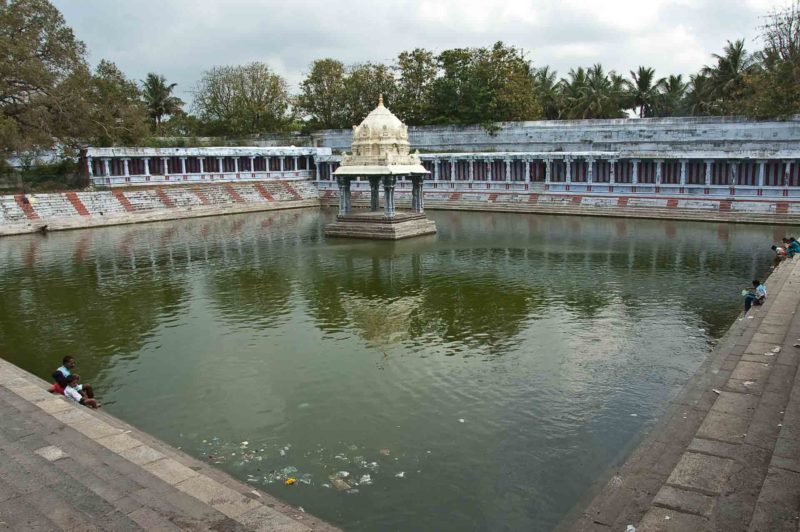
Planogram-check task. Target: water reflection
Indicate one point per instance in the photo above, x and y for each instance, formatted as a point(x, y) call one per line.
point(543, 333)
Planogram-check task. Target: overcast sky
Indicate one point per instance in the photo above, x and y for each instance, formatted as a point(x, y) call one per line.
point(182, 38)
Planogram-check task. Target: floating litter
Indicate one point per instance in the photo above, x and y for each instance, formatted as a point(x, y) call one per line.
point(365, 480)
point(289, 481)
point(461, 420)
point(401, 474)
point(716, 391)
point(776, 349)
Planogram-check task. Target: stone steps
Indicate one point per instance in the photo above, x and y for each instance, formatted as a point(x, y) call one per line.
point(586, 210)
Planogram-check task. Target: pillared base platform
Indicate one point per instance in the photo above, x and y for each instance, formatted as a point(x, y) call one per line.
point(375, 225)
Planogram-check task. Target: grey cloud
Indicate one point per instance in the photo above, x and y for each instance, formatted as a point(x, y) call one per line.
point(182, 38)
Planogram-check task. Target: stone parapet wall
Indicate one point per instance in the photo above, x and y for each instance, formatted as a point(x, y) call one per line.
point(74, 210)
point(656, 135)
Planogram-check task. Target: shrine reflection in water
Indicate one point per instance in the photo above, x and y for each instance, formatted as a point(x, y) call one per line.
point(481, 378)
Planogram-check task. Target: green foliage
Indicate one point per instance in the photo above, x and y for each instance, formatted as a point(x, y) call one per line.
point(243, 100)
point(158, 98)
point(40, 55)
point(322, 94)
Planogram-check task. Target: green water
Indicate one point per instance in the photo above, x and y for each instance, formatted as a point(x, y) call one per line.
point(483, 378)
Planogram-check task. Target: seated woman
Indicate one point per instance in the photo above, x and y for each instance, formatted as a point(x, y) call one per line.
point(71, 392)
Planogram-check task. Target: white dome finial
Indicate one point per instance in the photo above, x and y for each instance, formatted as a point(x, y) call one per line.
point(380, 100)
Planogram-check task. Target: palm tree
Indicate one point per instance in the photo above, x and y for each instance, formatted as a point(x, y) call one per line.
point(644, 90)
point(547, 90)
point(727, 81)
point(571, 94)
point(159, 100)
point(671, 99)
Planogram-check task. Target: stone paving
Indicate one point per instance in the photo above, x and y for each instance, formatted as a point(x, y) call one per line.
point(66, 467)
point(726, 456)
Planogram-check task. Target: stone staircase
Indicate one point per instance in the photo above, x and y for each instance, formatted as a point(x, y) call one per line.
point(567, 207)
point(10, 211)
point(726, 455)
point(52, 206)
point(101, 203)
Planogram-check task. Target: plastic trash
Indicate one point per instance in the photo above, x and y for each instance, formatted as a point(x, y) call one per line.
point(339, 484)
point(401, 474)
point(630, 528)
point(716, 391)
point(461, 420)
point(385, 452)
point(289, 481)
point(365, 480)
point(776, 349)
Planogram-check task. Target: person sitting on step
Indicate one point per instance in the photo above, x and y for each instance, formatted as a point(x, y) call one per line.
point(62, 373)
point(755, 296)
point(72, 392)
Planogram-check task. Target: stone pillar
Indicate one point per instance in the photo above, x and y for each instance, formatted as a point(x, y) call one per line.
point(125, 168)
point(472, 170)
point(684, 162)
point(635, 172)
point(527, 170)
point(89, 168)
point(253, 163)
point(316, 170)
point(488, 169)
point(707, 164)
point(568, 167)
point(589, 171)
point(733, 178)
point(235, 165)
point(761, 173)
point(344, 195)
point(106, 167)
point(389, 182)
point(436, 164)
point(165, 160)
point(548, 165)
point(221, 166)
point(296, 164)
point(452, 169)
point(283, 163)
point(183, 165)
point(200, 160)
point(416, 194)
point(659, 165)
point(787, 171)
point(508, 170)
point(612, 171)
point(146, 165)
point(374, 193)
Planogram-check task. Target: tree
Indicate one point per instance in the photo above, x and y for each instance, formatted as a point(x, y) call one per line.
point(417, 70)
point(363, 84)
point(158, 98)
point(774, 84)
point(591, 93)
point(727, 78)
point(116, 114)
point(243, 100)
point(644, 90)
point(547, 92)
point(670, 100)
point(322, 95)
point(40, 56)
point(482, 86)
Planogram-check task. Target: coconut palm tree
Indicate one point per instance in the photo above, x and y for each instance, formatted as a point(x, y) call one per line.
point(727, 79)
point(644, 90)
point(547, 90)
point(158, 98)
point(671, 98)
